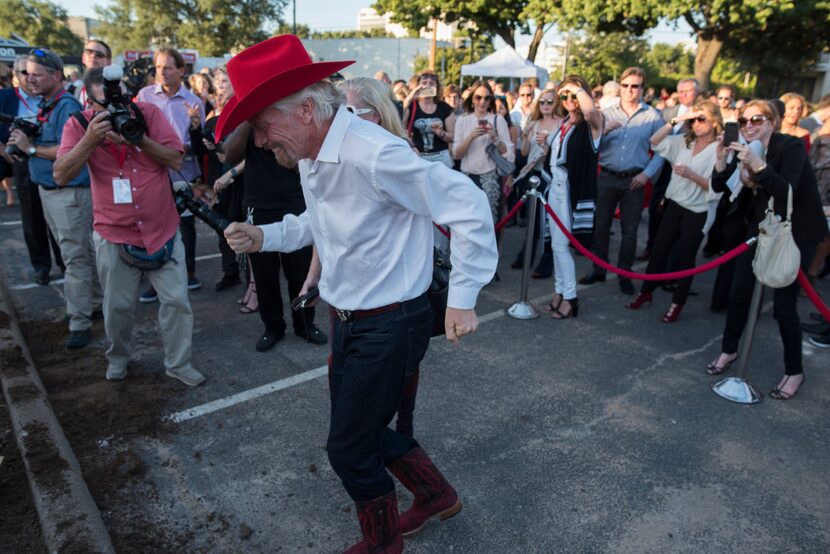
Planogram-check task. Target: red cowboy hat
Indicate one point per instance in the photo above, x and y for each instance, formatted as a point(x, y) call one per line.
point(267, 72)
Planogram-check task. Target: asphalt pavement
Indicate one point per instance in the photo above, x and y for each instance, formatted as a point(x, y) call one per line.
point(595, 434)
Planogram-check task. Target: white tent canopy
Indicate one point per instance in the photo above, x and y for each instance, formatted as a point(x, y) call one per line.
point(505, 62)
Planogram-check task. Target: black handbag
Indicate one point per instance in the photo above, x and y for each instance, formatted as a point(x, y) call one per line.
point(438, 290)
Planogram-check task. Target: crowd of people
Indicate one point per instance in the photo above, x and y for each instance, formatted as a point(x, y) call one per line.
point(602, 152)
point(337, 183)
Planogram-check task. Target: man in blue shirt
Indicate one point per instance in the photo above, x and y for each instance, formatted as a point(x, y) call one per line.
point(19, 101)
point(626, 167)
point(68, 210)
point(177, 103)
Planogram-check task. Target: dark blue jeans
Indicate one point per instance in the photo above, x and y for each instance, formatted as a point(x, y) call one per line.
point(370, 358)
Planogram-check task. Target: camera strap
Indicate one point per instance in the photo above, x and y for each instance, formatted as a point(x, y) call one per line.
point(46, 108)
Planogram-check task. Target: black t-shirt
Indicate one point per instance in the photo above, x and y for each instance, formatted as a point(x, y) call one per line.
point(268, 185)
point(425, 140)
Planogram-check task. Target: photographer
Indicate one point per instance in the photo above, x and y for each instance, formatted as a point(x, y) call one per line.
point(135, 217)
point(68, 209)
point(21, 103)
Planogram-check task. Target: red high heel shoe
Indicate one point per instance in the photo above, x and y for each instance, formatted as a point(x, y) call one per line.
point(673, 313)
point(641, 299)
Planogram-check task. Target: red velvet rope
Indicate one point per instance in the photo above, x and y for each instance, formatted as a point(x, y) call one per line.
point(646, 276)
point(813, 295)
point(499, 226)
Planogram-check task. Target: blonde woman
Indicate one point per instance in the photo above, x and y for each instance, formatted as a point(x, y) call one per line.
point(370, 99)
point(795, 109)
point(692, 156)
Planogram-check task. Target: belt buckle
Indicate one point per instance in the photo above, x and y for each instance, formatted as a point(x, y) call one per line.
point(343, 315)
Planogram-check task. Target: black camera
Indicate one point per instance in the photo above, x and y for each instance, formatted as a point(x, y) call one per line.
point(118, 106)
point(30, 128)
point(185, 200)
point(136, 74)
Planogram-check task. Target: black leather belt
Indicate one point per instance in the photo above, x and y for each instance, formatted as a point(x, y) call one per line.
point(348, 315)
point(622, 174)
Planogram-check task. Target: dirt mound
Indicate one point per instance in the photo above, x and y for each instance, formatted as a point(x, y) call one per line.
point(100, 418)
point(19, 525)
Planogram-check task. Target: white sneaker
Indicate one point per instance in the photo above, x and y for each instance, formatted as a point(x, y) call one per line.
point(115, 373)
point(186, 375)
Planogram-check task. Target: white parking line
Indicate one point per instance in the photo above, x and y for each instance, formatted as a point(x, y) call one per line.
point(208, 257)
point(28, 286)
point(250, 394)
point(282, 384)
point(10, 222)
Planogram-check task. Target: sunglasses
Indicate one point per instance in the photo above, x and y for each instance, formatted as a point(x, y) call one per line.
point(565, 97)
point(478, 98)
point(545, 102)
point(359, 111)
point(97, 53)
point(630, 85)
point(21, 72)
point(757, 119)
point(700, 119)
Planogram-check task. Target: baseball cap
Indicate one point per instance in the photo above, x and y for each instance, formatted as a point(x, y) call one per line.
point(46, 58)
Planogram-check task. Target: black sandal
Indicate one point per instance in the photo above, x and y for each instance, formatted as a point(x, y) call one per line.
point(574, 302)
point(714, 370)
point(550, 308)
point(779, 394)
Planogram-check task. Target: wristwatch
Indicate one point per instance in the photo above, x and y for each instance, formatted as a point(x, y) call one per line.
point(234, 172)
point(32, 151)
point(673, 121)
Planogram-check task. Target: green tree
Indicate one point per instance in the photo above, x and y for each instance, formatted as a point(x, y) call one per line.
point(372, 33)
point(303, 31)
point(736, 27)
point(668, 60)
point(450, 60)
point(489, 17)
point(600, 57)
point(41, 23)
point(213, 27)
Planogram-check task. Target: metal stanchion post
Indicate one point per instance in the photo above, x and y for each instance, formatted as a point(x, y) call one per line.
point(738, 389)
point(524, 309)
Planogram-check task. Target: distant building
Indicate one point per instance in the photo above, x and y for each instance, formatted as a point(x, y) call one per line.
point(369, 19)
point(82, 27)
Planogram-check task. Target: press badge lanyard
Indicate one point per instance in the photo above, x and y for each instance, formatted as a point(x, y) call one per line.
point(20, 97)
point(121, 189)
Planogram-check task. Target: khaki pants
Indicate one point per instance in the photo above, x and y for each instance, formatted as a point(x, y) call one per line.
point(68, 213)
point(121, 283)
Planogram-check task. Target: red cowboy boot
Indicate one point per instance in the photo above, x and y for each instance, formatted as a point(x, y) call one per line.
point(380, 527)
point(434, 496)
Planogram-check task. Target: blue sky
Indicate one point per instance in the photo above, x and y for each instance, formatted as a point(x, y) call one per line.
point(324, 15)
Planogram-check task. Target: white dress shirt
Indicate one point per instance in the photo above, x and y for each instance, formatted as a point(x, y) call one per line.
point(370, 203)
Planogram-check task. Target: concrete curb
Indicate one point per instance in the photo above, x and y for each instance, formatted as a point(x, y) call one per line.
point(68, 515)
